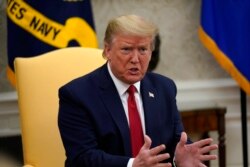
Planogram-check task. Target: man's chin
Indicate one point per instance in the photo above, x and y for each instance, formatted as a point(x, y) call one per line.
point(133, 79)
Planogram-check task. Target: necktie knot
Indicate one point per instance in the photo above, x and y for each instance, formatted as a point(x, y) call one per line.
point(131, 89)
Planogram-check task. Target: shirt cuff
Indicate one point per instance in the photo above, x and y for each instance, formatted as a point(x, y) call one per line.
point(130, 162)
point(174, 165)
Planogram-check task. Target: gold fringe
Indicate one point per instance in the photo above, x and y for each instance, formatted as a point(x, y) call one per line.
point(223, 60)
point(11, 76)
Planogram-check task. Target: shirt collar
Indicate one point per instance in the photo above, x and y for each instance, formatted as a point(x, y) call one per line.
point(121, 86)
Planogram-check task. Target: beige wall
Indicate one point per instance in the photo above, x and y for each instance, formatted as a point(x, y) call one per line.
point(182, 55)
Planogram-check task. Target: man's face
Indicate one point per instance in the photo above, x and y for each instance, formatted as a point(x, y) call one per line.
point(129, 57)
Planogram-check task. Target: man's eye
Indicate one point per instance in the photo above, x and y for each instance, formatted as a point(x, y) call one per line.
point(125, 50)
point(143, 50)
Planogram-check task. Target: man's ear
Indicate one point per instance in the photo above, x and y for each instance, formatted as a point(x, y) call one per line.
point(106, 50)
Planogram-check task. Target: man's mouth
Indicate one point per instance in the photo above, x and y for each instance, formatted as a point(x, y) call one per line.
point(133, 70)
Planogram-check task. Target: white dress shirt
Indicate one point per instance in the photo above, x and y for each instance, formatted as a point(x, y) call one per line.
point(122, 90)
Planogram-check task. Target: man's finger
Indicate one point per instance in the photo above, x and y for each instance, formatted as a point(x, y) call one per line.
point(202, 165)
point(162, 157)
point(147, 142)
point(164, 165)
point(208, 157)
point(209, 148)
point(204, 142)
point(183, 139)
point(156, 150)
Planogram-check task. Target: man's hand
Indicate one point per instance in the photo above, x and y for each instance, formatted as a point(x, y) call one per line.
point(193, 155)
point(151, 157)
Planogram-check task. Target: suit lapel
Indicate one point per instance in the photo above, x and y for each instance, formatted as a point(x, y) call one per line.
point(112, 101)
point(114, 106)
point(151, 111)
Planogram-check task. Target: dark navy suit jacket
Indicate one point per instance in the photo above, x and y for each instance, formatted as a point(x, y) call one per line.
point(93, 124)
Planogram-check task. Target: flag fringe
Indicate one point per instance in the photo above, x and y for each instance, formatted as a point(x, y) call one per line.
point(11, 76)
point(223, 60)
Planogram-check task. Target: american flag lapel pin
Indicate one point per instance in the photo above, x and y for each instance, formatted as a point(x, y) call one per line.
point(150, 94)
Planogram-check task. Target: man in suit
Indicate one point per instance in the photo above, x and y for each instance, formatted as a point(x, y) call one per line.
point(100, 128)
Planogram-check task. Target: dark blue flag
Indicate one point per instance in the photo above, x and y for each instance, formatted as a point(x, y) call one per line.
point(225, 32)
point(39, 26)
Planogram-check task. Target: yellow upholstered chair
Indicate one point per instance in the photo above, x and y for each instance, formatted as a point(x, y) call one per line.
point(38, 79)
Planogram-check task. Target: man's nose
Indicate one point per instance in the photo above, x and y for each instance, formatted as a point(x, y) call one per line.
point(135, 56)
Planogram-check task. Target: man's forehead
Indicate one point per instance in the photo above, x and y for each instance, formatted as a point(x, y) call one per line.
point(129, 40)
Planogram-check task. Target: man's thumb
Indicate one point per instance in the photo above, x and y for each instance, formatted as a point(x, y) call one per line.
point(147, 142)
point(183, 139)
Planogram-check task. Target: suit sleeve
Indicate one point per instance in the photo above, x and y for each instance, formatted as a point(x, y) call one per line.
point(177, 117)
point(79, 136)
point(170, 96)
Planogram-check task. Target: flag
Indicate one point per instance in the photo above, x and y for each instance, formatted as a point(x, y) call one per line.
point(225, 32)
point(39, 26)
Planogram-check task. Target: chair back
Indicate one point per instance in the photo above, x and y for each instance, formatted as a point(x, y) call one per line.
point(38, 80)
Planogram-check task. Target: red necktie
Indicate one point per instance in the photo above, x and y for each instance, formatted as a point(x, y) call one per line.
point(136, 134)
